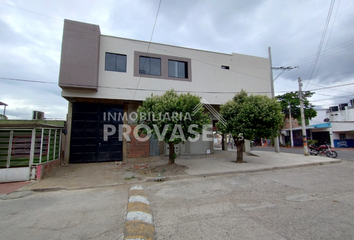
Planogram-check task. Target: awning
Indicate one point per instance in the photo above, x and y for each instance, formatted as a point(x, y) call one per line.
point(321, 125)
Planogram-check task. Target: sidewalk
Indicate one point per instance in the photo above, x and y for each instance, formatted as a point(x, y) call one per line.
point(6, 188)
point(264, 161)
point(92, 175)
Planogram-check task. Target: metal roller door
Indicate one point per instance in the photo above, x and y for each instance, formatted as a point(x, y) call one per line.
point(87, 143)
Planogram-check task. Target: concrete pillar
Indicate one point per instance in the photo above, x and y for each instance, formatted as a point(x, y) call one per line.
point(331, 137)
point(224, 142)
point(247, 147)
point(68, 135)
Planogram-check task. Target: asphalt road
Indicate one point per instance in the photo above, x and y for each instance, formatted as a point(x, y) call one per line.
point(300, 203)
point(343, 154)
point(79, 214)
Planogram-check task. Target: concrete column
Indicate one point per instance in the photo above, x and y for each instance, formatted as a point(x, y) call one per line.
point(33, 142)
point(225, 148)
point(125, 143)
point(68, 135)
point(331, 137)
point(247, 147)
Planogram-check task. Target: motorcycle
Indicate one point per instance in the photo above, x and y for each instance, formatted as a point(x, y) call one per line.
point(323, 149)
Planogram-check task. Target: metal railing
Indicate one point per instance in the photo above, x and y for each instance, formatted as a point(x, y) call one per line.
point(27, 147)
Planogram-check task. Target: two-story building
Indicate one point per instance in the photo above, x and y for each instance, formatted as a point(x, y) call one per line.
point(337, 130)
point(341, 118)
point(104, 76)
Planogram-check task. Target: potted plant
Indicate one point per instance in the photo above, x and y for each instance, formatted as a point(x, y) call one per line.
point(312, 142)
point(288, 144)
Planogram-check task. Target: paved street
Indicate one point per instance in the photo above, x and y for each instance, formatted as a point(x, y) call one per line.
point(344, 153)
point(81, 214)
point(314, 202)
point(301, 203)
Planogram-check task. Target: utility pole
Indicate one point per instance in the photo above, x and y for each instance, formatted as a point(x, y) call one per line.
point(304, 137)
point(276, 139)
point(291, 127)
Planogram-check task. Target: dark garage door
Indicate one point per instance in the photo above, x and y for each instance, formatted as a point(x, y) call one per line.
point(87, 143)
point(321, 137)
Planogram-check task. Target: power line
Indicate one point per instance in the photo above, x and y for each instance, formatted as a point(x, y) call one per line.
point(152, 34)
point(329, 37)
point(325, 53)
point(131, 89)
point(322, 39)
point(342, 85)
point(27, 80)
point(144, 89)
point(43, 15)
point(149, 46)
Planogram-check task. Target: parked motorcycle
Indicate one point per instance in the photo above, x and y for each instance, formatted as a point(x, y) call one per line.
point(323, 149)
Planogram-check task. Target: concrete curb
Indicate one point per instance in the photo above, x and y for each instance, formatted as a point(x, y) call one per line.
point(138, 222)
point(244, 171)
point(179, 177)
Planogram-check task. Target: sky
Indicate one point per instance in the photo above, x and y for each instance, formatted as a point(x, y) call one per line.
point(315, 36)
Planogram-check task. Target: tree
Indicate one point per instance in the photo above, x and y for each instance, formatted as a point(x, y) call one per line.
point(172, 118)
point(248, 117)
point(294, 100)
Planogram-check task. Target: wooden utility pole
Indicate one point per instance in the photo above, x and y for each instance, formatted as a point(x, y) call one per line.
point(304, 137)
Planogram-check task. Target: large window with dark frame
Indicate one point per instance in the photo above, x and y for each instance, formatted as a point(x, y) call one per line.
point(116, 62)
point(150, 66)
point(177, 69)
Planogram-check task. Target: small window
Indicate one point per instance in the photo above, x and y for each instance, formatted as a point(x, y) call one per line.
point(342, 137)
point(116, 62)
point(150, 66)
point(225, 67)
point(177, 69)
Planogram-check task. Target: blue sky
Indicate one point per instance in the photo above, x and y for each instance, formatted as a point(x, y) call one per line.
point(31, 33)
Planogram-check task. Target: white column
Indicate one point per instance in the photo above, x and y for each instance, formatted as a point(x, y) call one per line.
point(331, 137)
point(33, 143)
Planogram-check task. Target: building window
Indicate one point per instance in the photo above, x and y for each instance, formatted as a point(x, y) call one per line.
point(225, 67)
point(116, 62)
point(150, 66)
point(342, 137)
point(177, 69)
point(158, 66)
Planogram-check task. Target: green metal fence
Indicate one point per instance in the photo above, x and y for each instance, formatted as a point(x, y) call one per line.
point(27, 147)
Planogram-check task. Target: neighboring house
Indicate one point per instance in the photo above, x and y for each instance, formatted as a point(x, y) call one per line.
point(338, 130)
point(3, 116)
point(342, 122)
point(103, 76)
point(285, 132)
point(29, 148)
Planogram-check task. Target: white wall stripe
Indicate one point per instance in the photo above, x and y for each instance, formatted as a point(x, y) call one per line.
point(135, 238)
point(137, 188)
point(139, 199)
point(139, 216)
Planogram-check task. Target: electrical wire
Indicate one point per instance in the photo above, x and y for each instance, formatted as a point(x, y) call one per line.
point(131, 89)
point(152, 34)
point(329, 37)
point(43, 15)
point(322, 39)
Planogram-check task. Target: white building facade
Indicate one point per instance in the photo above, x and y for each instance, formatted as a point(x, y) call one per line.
point(104, 74)
point(341, 118)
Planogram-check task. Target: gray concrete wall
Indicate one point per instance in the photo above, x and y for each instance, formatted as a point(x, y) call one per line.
point(191, 148)
point(79, 56)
